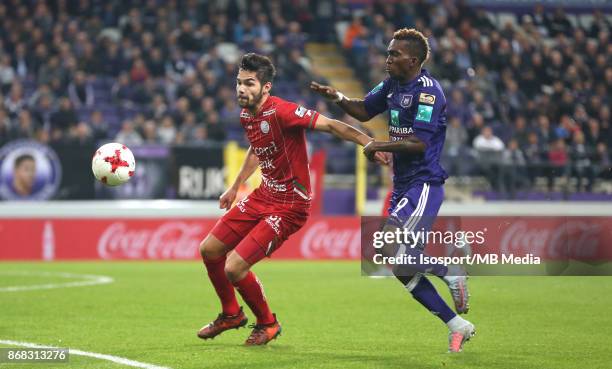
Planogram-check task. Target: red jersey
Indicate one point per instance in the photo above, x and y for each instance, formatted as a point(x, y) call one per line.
point(277, 137)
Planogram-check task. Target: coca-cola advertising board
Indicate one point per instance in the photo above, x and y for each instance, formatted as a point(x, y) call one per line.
point(551, 239)
point(174, 238)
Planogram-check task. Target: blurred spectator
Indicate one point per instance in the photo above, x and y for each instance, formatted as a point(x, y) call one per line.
point(454, 147)
point(536, 157)
point(15, 101)
point(582, 167)
point(603, 161)
point(80, 135)
point(214, 128)
point(25, 126)
point(559, 161)
point(200, 135)
point(559, 24)
point(139, 72)
point(355, 29)
point(5, 127)
point(122, 90)
point(127, 135)
point(65, 117)
point(489, 150)
point(7, 73)
point(99, 128)
point(167, 131)
point(150, 136)
point(514, 169)
point(81, 91)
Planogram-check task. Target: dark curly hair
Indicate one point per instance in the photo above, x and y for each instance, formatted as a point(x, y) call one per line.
point(260, 64)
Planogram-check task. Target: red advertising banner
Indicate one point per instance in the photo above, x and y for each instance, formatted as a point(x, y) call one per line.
point(142, 239)
point(551, 238)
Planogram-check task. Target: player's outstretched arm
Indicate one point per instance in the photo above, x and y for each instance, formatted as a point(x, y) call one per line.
point(410, 145)
point(248, 167)
point(353, 107)
point(348, 133)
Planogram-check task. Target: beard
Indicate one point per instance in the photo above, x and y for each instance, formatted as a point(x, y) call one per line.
point(251, 104)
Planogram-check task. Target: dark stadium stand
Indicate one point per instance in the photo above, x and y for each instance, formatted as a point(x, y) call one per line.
point(528, 92)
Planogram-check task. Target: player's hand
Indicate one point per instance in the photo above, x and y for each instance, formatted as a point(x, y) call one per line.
point(327, 92)
point(381, 158)
point(369, 150)
point(227, 198)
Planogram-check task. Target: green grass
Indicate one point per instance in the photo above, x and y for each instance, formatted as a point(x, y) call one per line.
point(331, 316)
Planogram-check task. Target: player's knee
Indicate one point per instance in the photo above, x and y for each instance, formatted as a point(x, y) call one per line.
point(210, 250)
point(235, 272)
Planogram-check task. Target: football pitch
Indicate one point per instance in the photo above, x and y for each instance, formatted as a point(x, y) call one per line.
point(332, 317)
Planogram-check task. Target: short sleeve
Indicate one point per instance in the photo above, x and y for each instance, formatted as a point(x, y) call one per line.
point(376, 100)
point(430, 114)
point(296, 116)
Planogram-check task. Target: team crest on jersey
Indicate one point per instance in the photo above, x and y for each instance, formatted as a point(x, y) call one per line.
point(300, 111)
point(427, 98)
point(406, 101)
point(264, 126)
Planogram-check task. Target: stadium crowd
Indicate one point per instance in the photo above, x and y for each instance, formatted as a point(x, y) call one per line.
point(526, 98)
point(528, 95)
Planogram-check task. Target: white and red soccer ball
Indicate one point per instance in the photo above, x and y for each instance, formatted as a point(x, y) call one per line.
point(113, 164)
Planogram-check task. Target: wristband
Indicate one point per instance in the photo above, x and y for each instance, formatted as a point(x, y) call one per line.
point(368, 144)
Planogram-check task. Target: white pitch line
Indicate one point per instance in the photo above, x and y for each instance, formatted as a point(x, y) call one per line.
point(91, 280)
point(114, 359)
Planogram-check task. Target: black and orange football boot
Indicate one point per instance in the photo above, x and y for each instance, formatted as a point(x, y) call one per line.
point(263, 333)
point(222, 324)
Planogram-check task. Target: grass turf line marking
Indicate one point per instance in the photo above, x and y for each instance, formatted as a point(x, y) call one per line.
point(90, 280)
point(114, 359)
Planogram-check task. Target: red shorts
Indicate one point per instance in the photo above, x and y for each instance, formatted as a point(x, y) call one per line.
point(255, 227)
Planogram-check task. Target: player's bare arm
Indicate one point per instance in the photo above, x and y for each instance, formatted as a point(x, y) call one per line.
point(353, 107)
point(348, 133)
point(248, 168)
point(410, 145)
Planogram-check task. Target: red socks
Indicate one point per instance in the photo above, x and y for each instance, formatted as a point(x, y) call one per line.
point(225, 290)
point(252, 293)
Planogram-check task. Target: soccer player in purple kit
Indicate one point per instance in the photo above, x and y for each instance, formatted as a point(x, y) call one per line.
point(417, 129)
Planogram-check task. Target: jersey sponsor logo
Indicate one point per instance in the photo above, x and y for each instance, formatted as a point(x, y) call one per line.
point(401, 130)
point(268, 112)
point(272, 184)
point(406, 101)
point(264, 126)
point(424, 113)
point(427, 98)
point(241, 205)
point(274, 222)
point(266, 150)
point(300, 111)
point(376, 89)
point(394, 114)
point(266, 164)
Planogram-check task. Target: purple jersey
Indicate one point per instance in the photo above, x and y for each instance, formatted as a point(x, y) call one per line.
point(417, 108)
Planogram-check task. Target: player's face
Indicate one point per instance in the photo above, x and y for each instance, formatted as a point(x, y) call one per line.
point(25, 173)
point(400, 63)
point(249, 90)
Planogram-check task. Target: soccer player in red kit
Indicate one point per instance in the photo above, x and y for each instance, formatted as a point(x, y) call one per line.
point(259, 223)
